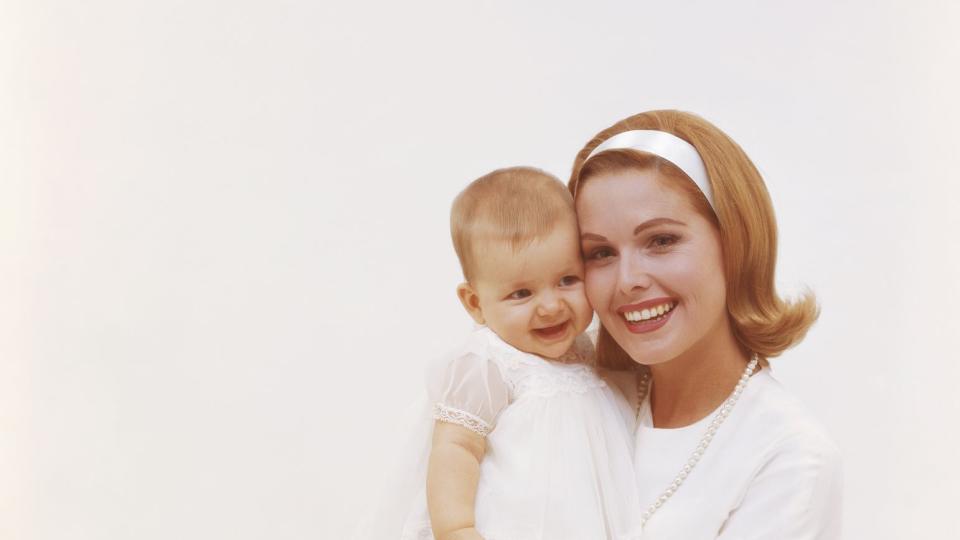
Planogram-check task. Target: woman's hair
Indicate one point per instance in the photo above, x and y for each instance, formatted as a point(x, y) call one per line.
point(515, 205)
point(761, 320)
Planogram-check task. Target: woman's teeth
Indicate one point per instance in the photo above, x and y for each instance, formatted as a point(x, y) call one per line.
point(647, 314)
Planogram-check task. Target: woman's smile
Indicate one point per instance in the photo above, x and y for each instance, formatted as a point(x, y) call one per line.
point(647, 316)
point(655, 261)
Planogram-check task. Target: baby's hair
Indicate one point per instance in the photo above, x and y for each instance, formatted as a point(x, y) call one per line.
point(515, 205)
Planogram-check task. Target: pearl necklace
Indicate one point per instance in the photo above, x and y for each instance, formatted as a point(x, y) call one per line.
point(643, 387)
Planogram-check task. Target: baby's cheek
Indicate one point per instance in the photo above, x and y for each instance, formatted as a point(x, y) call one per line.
point(517, 319)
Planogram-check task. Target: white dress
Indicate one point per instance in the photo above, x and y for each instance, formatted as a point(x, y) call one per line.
point(559, 447)
point(770, 473)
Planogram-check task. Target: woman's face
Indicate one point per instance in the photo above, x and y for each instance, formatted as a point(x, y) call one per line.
point(654, 268)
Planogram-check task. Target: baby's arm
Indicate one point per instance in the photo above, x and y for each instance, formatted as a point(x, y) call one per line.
point(468, 393)
point(452, 476)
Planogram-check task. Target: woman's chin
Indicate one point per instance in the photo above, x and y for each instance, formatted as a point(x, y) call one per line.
point(648, 348)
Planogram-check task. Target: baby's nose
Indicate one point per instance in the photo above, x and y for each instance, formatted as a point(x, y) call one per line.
point(550, 305)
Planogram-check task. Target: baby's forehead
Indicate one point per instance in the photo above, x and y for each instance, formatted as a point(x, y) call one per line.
point(537, 255)
point(560, 234)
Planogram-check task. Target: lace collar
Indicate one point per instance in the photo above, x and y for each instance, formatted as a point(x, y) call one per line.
point(581, 352)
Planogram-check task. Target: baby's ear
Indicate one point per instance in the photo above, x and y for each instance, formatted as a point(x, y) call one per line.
point(471, 301)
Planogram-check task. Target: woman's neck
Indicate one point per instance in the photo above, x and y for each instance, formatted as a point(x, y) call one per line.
point(689, 387)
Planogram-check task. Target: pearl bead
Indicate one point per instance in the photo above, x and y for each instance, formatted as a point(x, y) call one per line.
point(644, 388)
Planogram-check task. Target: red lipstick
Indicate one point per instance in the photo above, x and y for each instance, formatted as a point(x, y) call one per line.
point(649, 325)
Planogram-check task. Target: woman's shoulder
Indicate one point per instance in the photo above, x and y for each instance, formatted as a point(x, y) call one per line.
point(787, 423)
point(788, 468)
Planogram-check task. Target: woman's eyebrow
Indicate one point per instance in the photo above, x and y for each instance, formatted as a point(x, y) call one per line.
point(654, 222)
point(592, 236)
point(639, 229)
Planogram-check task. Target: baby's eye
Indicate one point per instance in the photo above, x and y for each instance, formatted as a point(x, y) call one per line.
point(662, 241)
point(599, 253)
point(519, 294)
point(567, 281)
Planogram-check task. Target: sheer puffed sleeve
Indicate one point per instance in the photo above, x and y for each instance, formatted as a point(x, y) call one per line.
point(468, 390)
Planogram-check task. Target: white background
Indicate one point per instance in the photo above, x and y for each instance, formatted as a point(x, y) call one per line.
point(225, 256)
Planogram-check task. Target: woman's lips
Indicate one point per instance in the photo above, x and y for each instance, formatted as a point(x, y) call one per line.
point(648, 316)
point(552, 332)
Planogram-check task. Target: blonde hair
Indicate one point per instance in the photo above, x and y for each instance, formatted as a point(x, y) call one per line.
point(515, 205)
point(761, 320)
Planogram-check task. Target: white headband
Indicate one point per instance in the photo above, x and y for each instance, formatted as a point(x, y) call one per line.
point(664, 145)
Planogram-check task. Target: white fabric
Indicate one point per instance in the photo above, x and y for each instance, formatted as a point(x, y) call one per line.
point(771, 473)
point(666, 146)
point(558, 462)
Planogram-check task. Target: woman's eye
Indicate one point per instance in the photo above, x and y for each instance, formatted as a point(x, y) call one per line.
point(599, 253)
point(567, 281)
point(662, 241)
point(519, 294)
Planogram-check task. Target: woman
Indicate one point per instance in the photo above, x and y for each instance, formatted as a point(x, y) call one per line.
point(679, 239)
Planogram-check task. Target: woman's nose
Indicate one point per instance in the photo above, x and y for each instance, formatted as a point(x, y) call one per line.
point(632, 275)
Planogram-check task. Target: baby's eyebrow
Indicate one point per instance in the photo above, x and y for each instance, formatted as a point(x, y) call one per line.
point(517, 285)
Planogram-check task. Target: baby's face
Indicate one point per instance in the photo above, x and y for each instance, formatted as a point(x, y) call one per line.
point(533, 298)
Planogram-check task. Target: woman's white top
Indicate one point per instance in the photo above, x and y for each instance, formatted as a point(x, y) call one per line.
point(559, 447)
point(770, 473)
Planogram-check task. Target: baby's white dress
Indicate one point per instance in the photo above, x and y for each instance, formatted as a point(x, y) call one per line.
point(558, 462)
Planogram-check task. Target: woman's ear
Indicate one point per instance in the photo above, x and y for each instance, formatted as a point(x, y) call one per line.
point(471, 302)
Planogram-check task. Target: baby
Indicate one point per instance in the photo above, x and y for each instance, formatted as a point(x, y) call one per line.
point(528, 441)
